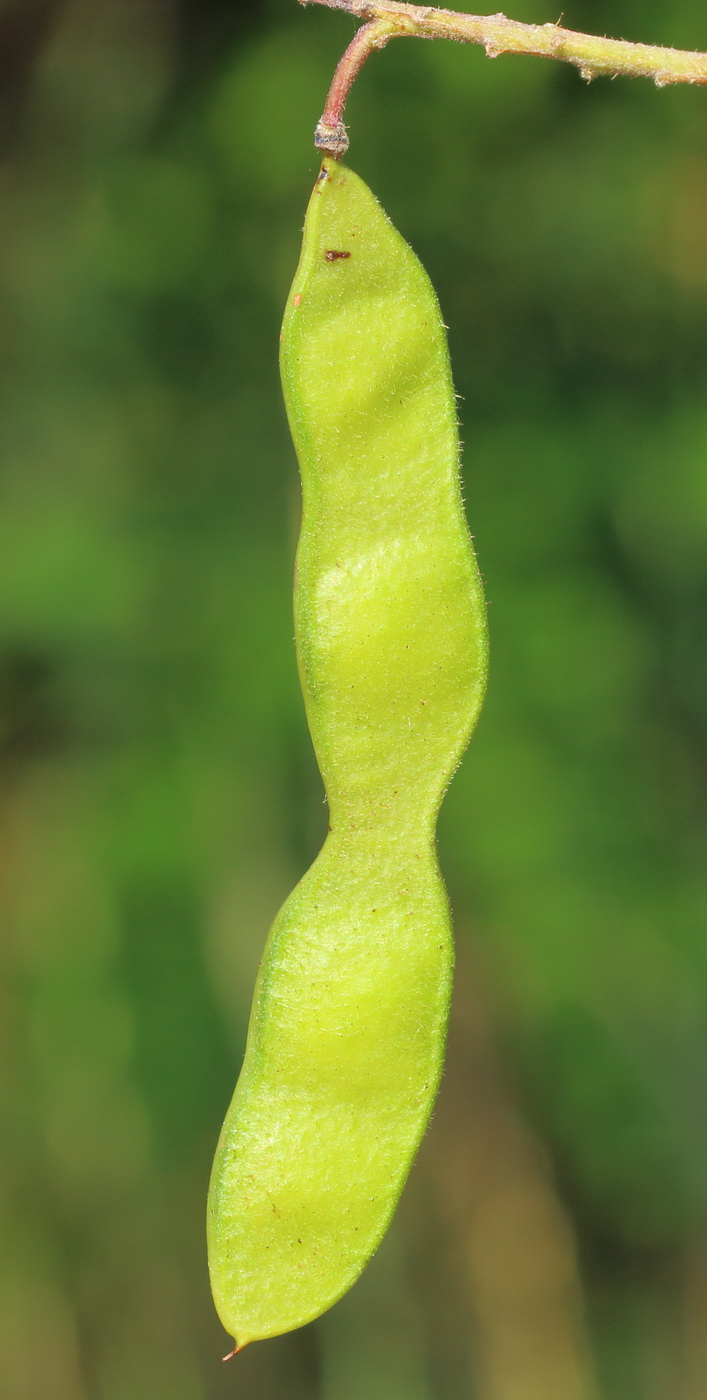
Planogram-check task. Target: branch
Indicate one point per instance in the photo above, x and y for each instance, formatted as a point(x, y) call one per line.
point(593, 56)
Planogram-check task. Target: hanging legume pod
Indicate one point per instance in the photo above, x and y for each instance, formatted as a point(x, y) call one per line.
point(346, 1037)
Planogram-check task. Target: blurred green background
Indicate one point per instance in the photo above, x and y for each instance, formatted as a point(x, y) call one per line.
point(158, 796)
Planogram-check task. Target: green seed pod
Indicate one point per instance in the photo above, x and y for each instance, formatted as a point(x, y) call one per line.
point(346, 1036)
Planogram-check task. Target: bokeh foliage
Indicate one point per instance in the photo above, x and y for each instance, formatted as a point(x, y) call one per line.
point(158, 795)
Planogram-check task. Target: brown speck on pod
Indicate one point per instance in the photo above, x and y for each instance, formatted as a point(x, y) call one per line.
point(332, 254)
point(296, 298)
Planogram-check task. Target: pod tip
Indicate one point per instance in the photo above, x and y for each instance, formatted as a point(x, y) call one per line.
point(238, 1346)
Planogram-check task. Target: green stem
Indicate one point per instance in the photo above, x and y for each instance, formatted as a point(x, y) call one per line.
point(592, 55)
